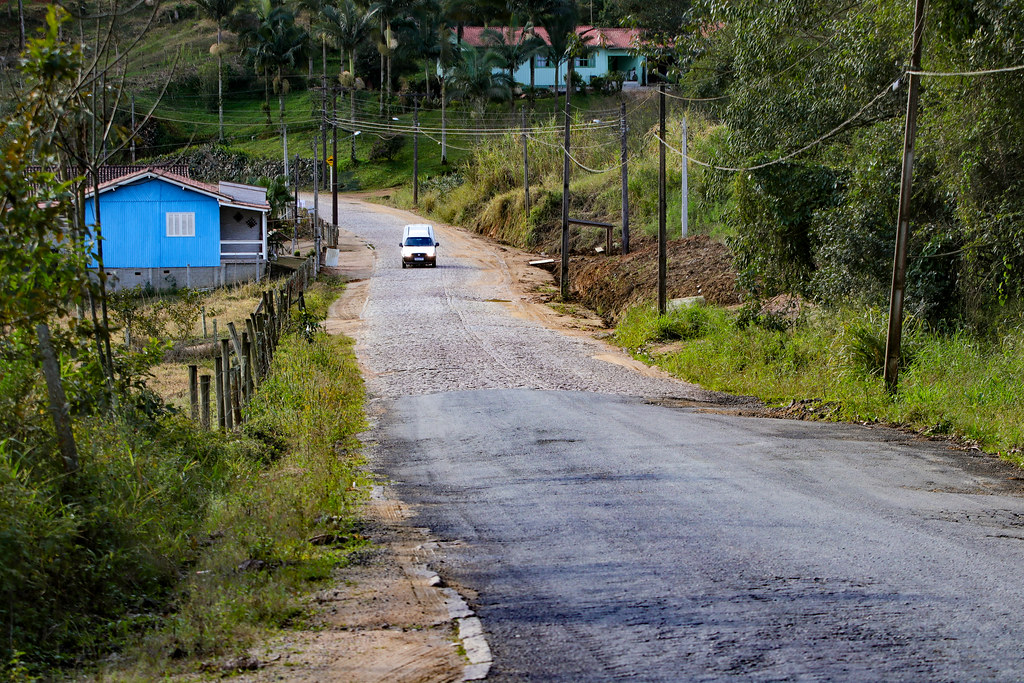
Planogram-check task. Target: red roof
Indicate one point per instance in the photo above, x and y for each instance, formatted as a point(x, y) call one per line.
point(154, 172)
point(615, 38)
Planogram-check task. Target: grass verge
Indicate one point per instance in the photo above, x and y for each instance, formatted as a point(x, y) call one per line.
point(289, 518)
point(952, 385)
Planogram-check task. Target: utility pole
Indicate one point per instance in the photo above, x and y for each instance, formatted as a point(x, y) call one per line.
point(526, 170)
point(352, 121)
point(564, 273)
point(133, 129)
point(415, 150)
point(685, 188)
point(662, 241)
point(894, 338)
point(295, 185)
point(323, 124)
point(625, 180)
point(284, 138)
point(334, 159)
point(444, 122)
point(316, 207)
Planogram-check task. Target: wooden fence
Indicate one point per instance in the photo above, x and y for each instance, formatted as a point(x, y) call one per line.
point(243, 359)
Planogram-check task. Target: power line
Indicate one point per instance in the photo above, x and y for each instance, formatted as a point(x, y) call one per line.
point(818, 141)
point(950, 74)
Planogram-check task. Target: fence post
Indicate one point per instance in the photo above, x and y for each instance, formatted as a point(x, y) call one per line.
point(218, 370)
point(225, 352)
point(236, 403)
point(250, 325)
point(247, 365)
point(204, 402)
point(193, 391)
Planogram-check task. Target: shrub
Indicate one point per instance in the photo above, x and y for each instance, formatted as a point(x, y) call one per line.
point(386, 148)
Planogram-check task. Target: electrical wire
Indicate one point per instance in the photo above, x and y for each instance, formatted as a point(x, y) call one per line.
point(818, 141)
point(951, 74)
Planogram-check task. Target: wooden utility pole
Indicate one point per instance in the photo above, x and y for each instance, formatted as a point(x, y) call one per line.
point(352, 122)
point(526, 169)
point(685, 190)
point(564, 272)
point(899, 269)
point(284, 141)
point(135, 130)
point(415, 150)
point(316, 208)
point(295, 232)
point(662, 239)
point(625, 181)
point(334, 160)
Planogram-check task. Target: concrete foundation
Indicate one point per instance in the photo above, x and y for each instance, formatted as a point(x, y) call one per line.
point(194, 278)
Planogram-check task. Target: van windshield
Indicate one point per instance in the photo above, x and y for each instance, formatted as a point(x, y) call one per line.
point(419, 242)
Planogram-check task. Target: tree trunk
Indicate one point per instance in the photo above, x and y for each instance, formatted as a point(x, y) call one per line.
point(57, 399)
point(220, 86)
point(21, 26)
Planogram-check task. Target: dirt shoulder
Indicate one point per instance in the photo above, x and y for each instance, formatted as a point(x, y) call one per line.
point(389, 618)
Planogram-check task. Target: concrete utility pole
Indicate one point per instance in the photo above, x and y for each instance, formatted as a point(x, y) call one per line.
point(564, 272)
point(662, 239)
point(685, 188)
point(899, 269)
point(625, 181)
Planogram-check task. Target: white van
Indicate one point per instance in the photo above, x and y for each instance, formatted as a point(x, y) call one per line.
point(419, 247)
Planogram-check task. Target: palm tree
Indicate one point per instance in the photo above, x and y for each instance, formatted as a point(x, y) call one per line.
point(514, 46)
point(387, 43)
point(219, 10)
point(348, 27)
point(560, 23)
point(275, 46)
point(475, 79)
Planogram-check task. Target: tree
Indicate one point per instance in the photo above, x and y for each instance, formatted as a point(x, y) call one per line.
point(559, 20)
point(514, 45)
point(476, 80)
point(275, 46)
point(219, 11)
point(348, 28)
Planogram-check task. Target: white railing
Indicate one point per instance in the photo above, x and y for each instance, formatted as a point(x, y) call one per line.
point(241, 255)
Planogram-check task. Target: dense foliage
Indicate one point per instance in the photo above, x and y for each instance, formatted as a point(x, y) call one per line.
point(821, 223)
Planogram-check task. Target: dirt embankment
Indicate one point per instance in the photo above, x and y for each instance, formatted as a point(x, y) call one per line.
point(697, 266)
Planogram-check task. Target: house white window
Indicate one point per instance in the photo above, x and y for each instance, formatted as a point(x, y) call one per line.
point(541, 61)
point(181, 224)
point(585, 62)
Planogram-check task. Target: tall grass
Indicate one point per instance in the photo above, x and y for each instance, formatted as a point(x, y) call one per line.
point(287, 521)
point(490, 200)
point(170, 542)
point(952, 384)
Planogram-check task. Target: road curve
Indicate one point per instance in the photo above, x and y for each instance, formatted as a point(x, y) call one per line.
point(609, 531)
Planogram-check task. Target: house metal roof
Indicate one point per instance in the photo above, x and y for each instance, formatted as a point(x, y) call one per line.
point(217, 192)
point(612, 38)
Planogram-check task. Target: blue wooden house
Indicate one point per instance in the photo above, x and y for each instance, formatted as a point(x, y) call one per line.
point(610, 50)
point(167, 230)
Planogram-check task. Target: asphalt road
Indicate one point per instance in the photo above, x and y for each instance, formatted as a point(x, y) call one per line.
point(607, 532)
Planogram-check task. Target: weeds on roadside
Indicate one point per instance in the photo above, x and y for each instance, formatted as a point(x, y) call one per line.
point(950, 383)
